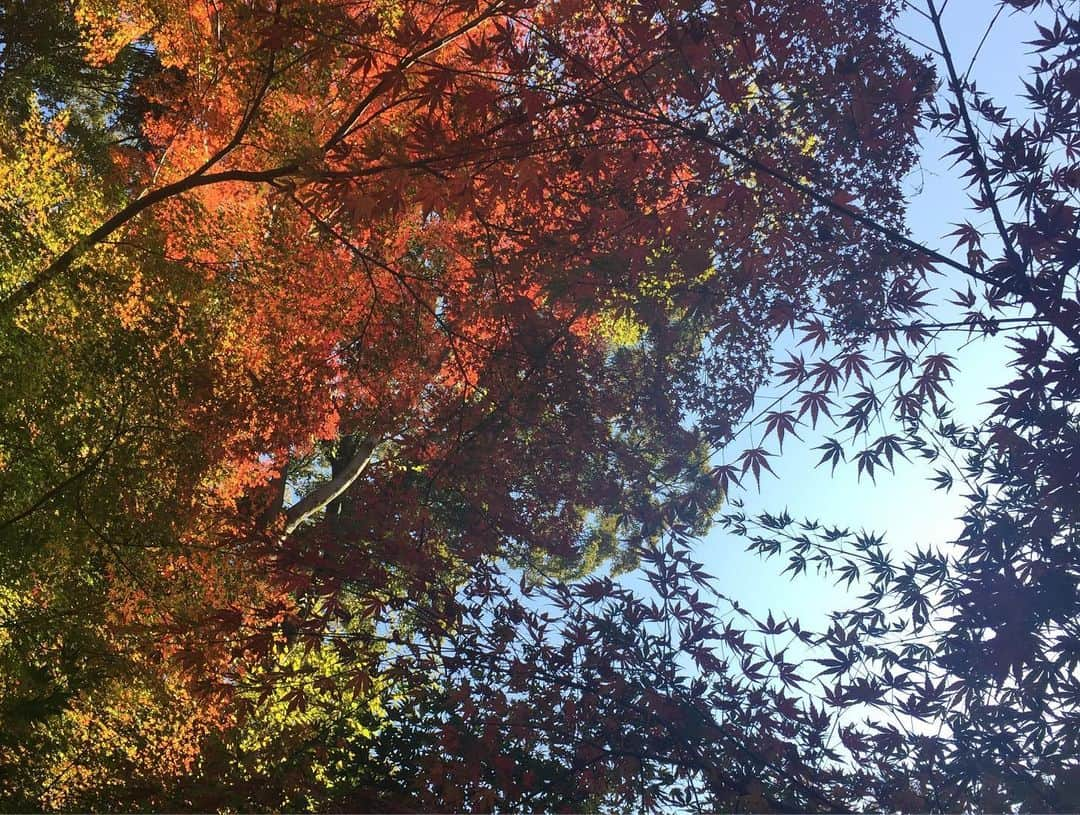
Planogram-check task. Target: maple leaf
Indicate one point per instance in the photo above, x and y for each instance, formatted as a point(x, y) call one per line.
point(754, 460)
point(794, 370)
point(816, 402)
point(834, 453)
point(780, 422)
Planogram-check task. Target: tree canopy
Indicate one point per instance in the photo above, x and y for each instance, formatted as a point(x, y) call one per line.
point(364, 370)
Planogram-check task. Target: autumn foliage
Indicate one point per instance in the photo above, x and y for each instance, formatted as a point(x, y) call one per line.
point(353, 351)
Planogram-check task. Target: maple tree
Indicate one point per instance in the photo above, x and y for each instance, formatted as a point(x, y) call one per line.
point(359, 194)
point(359, 315)
point(976, 636)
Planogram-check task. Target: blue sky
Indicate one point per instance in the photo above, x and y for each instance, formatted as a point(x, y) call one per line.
point(904, 507)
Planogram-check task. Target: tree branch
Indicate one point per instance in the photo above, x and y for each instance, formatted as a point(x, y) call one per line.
point(1021, 290)
point(406, 62)
point(1017, 283)
point(323, 495)
point(200, 178)
point(63, 262)
point(91, 464)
